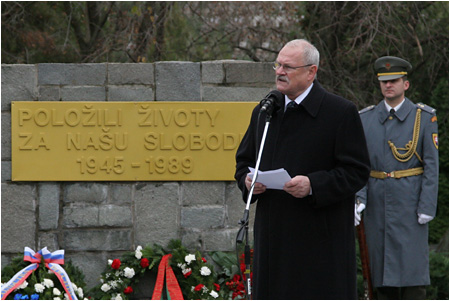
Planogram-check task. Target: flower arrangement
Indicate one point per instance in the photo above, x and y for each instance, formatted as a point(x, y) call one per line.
point(121, 275)
point(195, 276)
point(42, 283)
point(231, 275)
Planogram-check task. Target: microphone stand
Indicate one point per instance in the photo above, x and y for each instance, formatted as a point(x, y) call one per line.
point(243, 231)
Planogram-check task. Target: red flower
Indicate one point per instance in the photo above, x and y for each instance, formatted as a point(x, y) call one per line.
point(144, 263)
point(198, 287)
point(217, 286)
point(243, 268)
point(116, 264)
point(128, 290)
point(187, 274)
point(203, 259)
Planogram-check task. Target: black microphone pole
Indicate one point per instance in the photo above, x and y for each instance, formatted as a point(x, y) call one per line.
point(243, 231)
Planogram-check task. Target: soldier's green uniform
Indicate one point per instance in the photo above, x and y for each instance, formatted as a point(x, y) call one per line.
point(403, 149)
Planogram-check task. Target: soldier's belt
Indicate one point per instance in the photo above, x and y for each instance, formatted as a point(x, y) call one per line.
point(397, 174)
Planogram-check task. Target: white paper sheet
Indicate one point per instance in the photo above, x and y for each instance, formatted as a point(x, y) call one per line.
point(272, 179)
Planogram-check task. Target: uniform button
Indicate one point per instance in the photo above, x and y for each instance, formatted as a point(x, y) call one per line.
point(390, 117)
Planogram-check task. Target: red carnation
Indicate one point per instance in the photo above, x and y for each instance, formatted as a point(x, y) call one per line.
point(116, 264)
point(128, 290)
point(203, 259)
point(217, 286)
point(144, 263)
point(198, 287)
point(187, 274)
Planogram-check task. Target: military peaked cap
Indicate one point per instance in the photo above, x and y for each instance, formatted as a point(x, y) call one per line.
point(391, 67)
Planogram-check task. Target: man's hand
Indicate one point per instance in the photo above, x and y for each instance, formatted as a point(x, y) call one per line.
point(258, 189)
point(298, 186)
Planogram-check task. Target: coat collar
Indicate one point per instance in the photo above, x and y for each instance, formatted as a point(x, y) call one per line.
point(314, 99)
point(401, 114)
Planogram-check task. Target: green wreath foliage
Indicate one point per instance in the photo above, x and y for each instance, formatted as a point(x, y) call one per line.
point(197, 278)
point(48, 285)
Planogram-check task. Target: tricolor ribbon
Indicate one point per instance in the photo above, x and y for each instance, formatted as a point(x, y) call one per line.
point(52, 262)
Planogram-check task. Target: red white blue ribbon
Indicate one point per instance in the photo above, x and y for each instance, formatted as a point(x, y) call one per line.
point(52, 262)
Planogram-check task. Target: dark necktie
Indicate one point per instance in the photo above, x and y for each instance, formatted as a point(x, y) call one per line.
point(392, 112)
point(291, 105)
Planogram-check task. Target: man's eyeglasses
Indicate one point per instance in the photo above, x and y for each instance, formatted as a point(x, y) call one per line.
point(287, 68)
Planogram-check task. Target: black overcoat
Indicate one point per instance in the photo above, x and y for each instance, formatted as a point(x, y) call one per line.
point(305, 248)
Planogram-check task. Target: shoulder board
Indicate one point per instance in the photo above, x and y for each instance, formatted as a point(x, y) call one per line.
point(369, 108)
point(426, 108)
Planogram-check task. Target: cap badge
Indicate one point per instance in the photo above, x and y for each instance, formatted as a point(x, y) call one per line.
point(388, 66)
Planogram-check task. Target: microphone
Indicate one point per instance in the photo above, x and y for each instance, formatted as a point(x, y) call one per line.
point(271, 101)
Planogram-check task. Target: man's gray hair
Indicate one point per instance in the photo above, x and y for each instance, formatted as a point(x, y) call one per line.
point(310, 53)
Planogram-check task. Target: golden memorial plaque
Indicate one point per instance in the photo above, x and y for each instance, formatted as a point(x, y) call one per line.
point(126, 141)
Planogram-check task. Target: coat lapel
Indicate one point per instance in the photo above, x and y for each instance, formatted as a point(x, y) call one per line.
point(314, 99)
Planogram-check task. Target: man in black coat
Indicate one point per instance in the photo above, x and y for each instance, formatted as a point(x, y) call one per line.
point(304, 234)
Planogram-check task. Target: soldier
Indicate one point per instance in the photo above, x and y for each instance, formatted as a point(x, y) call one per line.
point(401, 195)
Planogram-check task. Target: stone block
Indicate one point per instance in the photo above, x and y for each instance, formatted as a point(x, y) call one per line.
point(115, 216)
point(220, 240)
point(235, 206)
point(250, 72)
point(49, 240)
point(202, 217)
point(192, 239)
point(48, 205)
point(6, 136)
point(202, 193)
point(49, 93)
point(71, 74)
point(157, 213)
point(121, 193)
point(91, 264)
point(178, 81)
point(19, 83)
point(131, 74)
point(85, 193)
point(97, 240)
point(130, 93)
point(83, 93)
point(213, 72)
point(18, 217)
point(212, 93)
point(6, 171)
point(80, 217)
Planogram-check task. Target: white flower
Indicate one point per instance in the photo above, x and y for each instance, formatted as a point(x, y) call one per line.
point(118, 297)
point(56, 291)
point(105, 287)
point(48, 283)
point(129, 273)
point(110, 261)
point(185, 271)
point(214, 294)
point(39, 288)
point(57, 298)
point(192, 288)
point(80, 292)
point(23, 285)
point(113, 284)
point(189, 258)
point(75, 287)
point(205, 271)
point(138, 254)
point(66, 297)
point(139, 248)
point(205, 289)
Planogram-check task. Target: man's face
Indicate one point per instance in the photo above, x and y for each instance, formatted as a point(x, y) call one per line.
point(293, 82)
point(394, 90)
